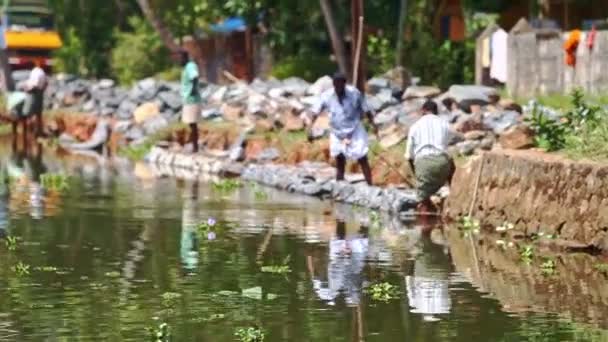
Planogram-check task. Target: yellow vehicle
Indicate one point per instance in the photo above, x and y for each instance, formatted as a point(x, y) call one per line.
point(28, 33)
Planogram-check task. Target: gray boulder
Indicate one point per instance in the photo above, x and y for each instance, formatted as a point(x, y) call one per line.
point(211, 113)
point(154, 125)
point(472, 93)
point(268, 154)
point(126, 109)
point(320, 86)
point(501, 121)
point(414, 92)
point(135, 133)
point(377, 84)
point(388, 115)
point(171, 100)
point(294, 86)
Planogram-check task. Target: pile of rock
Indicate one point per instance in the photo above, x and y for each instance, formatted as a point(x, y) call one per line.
point(478, 118)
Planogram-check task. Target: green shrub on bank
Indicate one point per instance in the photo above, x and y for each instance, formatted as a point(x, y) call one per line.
point(138, 54)
point(582, 132)
point(307, 67)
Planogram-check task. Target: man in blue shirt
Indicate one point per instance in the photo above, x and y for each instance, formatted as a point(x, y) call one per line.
point(348, 138)
point(191, 97)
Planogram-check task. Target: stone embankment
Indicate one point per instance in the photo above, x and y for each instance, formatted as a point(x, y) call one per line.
point(480, 120)
point(313, 179)
point(537, 193)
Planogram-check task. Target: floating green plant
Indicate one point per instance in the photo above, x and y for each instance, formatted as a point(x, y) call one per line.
point(53, 181)
point(170, 298)
point(46, 269)
point(11, 243)
point(383, 292)
point(21, 269)
point(251, 334)
point(160, 334)
point(602, 268)
point(469, 224)
point(278, 269)
point(226, 185)
point(526, 254)
point(548, 267)
point(258, 192)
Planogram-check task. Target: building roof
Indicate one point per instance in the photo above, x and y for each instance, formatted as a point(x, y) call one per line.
point(229, 25)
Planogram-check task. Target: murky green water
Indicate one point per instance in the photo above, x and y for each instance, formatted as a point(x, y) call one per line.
point(116, 254)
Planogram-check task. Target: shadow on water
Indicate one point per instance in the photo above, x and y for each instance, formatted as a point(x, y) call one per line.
point(123, 250)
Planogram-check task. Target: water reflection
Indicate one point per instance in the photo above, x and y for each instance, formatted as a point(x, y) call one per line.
point(190, 220)
point(345, 263)
point(428, 286)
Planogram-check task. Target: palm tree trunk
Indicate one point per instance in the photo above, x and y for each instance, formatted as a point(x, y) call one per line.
point(336, 37)
point(159, 25)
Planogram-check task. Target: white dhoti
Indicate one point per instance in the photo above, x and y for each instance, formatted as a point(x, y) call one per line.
point(190, 113)
point(357, 148)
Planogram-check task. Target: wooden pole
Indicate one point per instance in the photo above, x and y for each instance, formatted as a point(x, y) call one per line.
point(357, 62)
point(337, 40)
point(357, 33)
point(401, 33)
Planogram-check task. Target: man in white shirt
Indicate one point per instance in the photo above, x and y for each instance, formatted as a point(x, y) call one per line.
point(348, 138)
point(35, 86)
point(426, 152)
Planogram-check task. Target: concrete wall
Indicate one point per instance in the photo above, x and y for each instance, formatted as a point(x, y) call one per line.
point(537, 64)
point(536, 192)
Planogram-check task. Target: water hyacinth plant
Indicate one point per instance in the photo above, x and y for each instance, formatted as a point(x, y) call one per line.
point(160, 334)
point(21, 269)
point(468, 224)
point(226, 186)
point(11, 243)
point(56, 182)
point(383, 292)
point(251, 334)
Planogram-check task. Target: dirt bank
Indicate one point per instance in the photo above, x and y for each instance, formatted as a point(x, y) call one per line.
point(536, 192)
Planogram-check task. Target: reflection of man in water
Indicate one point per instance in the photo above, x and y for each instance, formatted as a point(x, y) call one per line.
point(346, 261)
point(190, 220)
point(427, 289)
point(26, 168)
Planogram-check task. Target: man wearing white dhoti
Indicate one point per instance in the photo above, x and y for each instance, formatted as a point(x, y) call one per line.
point(348, 138)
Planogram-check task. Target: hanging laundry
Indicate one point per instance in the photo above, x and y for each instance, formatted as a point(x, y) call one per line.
point(498, 68)
point(570, 46)
point(485, 52)
point(591, 38)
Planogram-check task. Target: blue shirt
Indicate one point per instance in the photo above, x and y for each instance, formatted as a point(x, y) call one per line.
point(190, 93)
point(344, 117)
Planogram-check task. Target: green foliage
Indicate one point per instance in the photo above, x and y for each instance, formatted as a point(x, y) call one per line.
point(526, 254)
point(548, 267)
point(383, 292)
point(251, 334)
point(226, 186)
point(601, 267)
point(11, 243)
point(170, 299)
point(278, 269)
point(468, 224)
point(381, 55)
point(56, 182)
point(69, 58)
point(138, 54)
point(258, 192)
point(549, 134)
point(21, 269)
point(160, 334)
point(307, 67)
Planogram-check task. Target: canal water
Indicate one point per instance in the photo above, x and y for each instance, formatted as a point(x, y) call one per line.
point(120, 251)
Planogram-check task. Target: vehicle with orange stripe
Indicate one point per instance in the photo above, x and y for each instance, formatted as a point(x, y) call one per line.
point(28, 33)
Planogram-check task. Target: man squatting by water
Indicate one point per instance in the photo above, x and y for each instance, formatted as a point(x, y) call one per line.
point(348, 138)
point(427, 154)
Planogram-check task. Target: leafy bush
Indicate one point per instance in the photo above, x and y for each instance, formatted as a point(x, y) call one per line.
point(138, 54)
point(381, 55)
point(307, 67)
point(69, 58)
point(550, 134)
